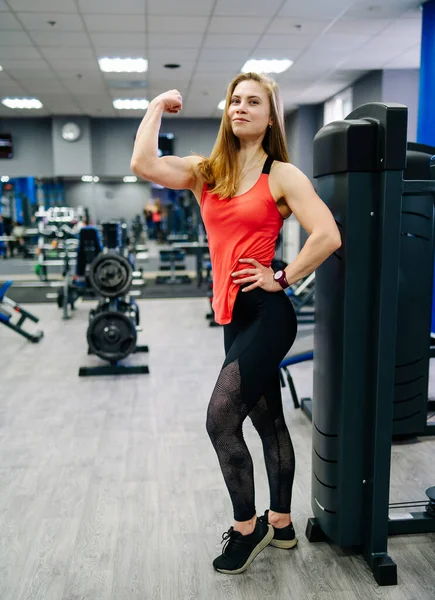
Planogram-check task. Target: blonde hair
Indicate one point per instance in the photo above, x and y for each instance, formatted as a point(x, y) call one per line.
point(221, 170)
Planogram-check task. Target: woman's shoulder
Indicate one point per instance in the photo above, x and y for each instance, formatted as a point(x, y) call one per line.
point(283, 178)
point(281, 167)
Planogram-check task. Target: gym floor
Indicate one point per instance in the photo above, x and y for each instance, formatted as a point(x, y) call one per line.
point(110, 488)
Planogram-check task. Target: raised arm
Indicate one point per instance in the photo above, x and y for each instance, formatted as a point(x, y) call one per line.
point(170, 171)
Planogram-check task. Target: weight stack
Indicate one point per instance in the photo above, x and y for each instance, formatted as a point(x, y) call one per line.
point(415, 296)
point(358, 165)
point(112, 235)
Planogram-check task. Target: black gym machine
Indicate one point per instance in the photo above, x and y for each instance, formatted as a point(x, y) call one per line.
point(114, 323)
point(371, 338)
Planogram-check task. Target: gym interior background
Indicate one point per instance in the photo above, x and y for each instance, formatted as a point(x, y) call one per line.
point(110, 488)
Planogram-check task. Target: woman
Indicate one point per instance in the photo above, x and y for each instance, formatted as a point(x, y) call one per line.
point(245, 190)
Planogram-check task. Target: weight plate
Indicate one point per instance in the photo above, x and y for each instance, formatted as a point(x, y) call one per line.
point(111, 275)
point(112, 336)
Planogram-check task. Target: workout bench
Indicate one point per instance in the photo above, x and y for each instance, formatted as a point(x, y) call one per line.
point(7, 305)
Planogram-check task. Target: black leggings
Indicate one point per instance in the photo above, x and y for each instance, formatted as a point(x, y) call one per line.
point(261, 333)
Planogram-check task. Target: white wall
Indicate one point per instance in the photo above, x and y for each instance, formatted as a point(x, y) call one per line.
point(109, 201)
point(402, 86)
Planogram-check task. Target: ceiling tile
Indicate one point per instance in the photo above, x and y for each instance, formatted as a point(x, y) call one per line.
point(102, 51)
point(185, 69)
point(130, 93)
point(407, 60)
point(14, 38)
point(255, 8)
point(22, 74)
point(118, 40)
point(410, 28)
point(367, 9)
point(290, 53)
point(314, 9)
point(18, 65)
point(74, 65)
point(218, 66)
point(174, 55)
point(246, 25)
point(165, 85)
point(224, 55)
point(359, 26)
point(215, 40)
point(60, 6)
point(20, 52)
point(103, 7)
point(289, 26)
point(9, 22)
point(180, 40)
point(93, 101)
point(62, 100)
point(176, 24)
point(55, 38)
point(68, 53)
point(95, 86)
point(40, 86)
point(339, 41)
point(9, 87)
point(119, 23)
point(175, 7)
point(39, 21)
point(3, 6)
point(281, 42)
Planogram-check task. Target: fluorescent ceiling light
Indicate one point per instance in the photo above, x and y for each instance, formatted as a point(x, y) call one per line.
point(267, 66)
point(87, 178)
point(221, 105)
point(96, 179)
point(4, 179)
point(22, 103)
point(133, 104)
point(130, 179)
point(123, 65)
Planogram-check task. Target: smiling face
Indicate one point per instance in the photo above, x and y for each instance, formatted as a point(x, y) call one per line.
point(249, 110)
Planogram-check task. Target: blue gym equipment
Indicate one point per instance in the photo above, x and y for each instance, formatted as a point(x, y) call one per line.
point(8, 308)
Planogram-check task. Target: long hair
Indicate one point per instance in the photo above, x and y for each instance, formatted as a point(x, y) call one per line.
point(221, 169)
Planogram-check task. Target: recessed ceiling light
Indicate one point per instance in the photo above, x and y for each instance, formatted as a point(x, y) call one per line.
point(4, 179)
point(267, 66)
point(221, 105)
point(131, 104)
point(123, 65)
point(129, 179)
point(22, 103)
point(172, 66)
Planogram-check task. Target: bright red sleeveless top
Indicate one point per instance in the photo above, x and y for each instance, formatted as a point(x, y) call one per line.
point(245, 226)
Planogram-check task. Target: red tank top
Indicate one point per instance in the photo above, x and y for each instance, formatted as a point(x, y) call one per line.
point(245, 226)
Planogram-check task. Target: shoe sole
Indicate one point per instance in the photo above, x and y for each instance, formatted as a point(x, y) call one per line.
point(284, 544)
point(256, 551)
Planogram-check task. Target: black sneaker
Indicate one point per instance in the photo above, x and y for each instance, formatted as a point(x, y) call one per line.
point(240, 550)
point(283, 537)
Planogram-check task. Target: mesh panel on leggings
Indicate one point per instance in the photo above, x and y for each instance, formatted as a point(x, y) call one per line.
point(225, 415)
point(278, 450)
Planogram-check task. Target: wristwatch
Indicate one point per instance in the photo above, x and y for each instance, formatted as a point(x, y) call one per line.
point(281, 278)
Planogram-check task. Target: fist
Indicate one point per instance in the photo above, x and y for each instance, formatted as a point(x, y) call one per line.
point(171, 101)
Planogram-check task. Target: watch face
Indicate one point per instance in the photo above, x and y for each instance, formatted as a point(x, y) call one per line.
point(278, 274)
point(71, 132)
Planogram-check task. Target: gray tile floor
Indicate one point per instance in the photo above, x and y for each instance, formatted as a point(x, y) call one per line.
point(111, 490)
